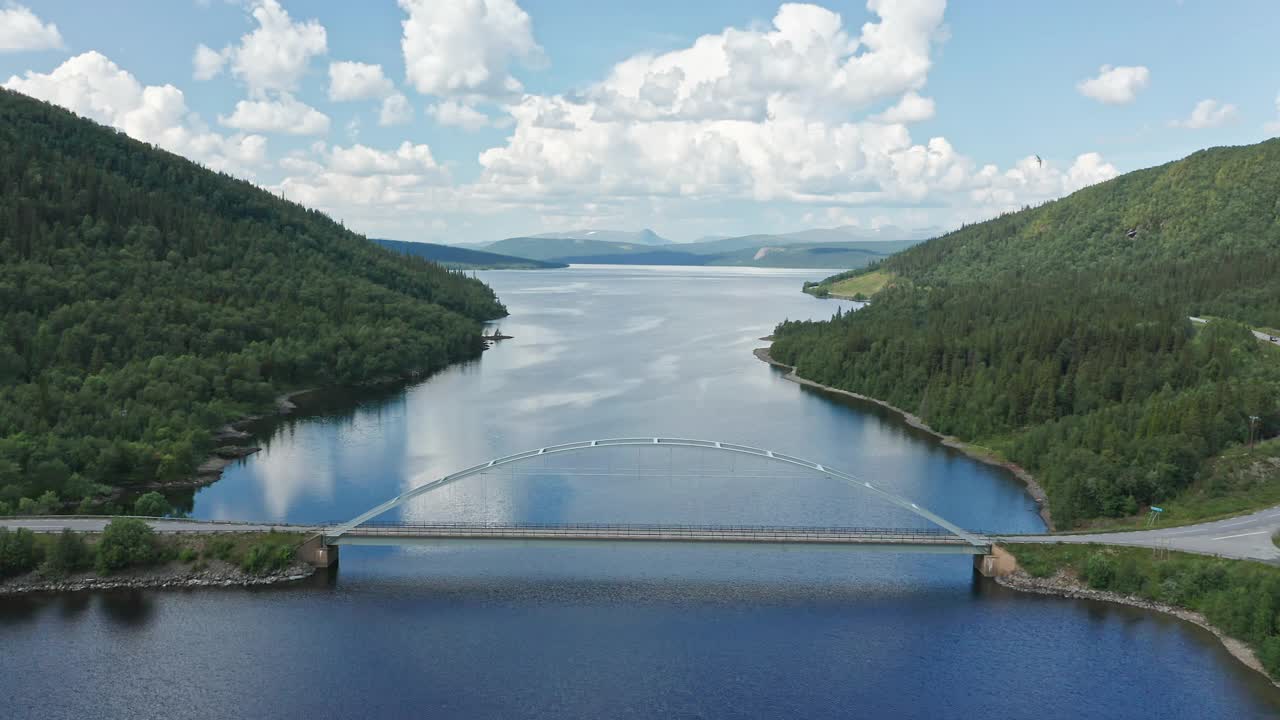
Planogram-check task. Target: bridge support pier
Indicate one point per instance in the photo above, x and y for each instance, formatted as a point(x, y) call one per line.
point(316, 553)
point(997, 563)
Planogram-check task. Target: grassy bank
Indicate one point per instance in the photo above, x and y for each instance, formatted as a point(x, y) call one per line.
point(1238, 597)
point(851, 285)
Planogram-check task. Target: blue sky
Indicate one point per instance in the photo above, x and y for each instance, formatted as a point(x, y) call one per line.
point(472, 120)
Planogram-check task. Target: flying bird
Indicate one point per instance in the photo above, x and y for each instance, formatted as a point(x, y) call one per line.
point(1039, 162)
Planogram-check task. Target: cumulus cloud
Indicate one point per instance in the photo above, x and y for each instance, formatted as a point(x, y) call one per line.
point(1116, 85)
point(274, 56)
point(764, 115)
point(283, 114)
point(456, 114)
point(807, 64)
point(21, 30)
point(357, 81)
point(910, 109)
point(395, 111)
point(1273, 127)
point(464, 48)
point(207, 62)
point(1208, 114)
point(377, 188)
point(93, 86)
point(408, 159)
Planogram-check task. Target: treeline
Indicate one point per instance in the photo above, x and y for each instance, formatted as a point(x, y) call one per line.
point(145, 300)
point(1054, 337)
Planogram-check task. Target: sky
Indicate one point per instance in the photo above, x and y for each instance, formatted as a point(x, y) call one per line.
point(464, 121)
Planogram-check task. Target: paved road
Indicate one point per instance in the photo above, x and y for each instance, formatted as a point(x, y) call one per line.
point(1274, 340)
point(96, 524)
point(1246, 537)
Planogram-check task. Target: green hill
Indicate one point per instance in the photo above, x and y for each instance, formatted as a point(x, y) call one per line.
point(464, 258)
point(145, 301)
point(1058, 335)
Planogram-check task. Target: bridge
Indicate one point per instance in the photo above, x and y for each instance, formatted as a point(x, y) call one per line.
point(942, 537)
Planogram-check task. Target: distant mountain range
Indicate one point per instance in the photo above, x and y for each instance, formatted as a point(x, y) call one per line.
point(643, 237)
point(844, 247)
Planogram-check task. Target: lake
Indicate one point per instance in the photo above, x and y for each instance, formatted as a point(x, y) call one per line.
point(590, 631)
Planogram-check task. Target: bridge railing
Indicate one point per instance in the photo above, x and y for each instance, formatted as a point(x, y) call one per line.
point(633, 530)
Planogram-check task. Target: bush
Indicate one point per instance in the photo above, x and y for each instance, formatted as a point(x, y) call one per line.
point(126, 542)
point(68, 554)
point(222, 548)
point(1100, 571)
point(267, 556)
point(151, 504)
point(18, 553)
point(188, 555)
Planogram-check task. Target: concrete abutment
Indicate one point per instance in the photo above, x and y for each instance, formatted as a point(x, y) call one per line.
point(316, 553)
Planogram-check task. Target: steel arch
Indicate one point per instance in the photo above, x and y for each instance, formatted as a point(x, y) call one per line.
point(337, 531)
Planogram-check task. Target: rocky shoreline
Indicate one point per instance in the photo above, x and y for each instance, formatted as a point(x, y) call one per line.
point(1033, 488)
point(172, 576)
point(1063, 584)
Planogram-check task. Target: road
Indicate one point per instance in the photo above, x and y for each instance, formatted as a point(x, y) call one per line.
point(1274, 340)
point(1245, 537)
point(96, 524)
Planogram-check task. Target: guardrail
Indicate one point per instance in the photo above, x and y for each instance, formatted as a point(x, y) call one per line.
point(904, 536)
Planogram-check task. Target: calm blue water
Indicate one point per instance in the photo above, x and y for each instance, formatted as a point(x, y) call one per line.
point(588, 631)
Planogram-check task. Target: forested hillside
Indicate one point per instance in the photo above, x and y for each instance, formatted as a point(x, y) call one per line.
point(1059, 334)
point(144, 301)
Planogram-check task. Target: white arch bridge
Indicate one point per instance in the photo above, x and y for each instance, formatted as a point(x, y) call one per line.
point(941, 536)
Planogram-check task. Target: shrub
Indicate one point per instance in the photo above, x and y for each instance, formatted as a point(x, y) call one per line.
point(67, 554)
point(151, 504)
point(188, 555)
point(18, 552)
point(267, 556)
point(1100, 571)
point(125, 542)
point(222, 548)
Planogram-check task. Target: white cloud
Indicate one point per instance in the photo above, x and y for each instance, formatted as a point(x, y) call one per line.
point(463, 48)
point(408, 159)
point(381, 190)
point(93, 86)
point(1273, 127)
point(395, 111)
point(284, 114)
point(457, 114)
point(274, 56)
point(762, 115)
point(1116, 85)
point(22, 30)
point(805, 64)
point(208, 63)
point(910, 109)
point(357, 81)
point(1208, 114)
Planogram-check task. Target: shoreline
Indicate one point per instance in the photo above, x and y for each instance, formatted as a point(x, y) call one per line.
point(216, 462)
point(165, 577)
point(1028, 480)
point(1065, 585)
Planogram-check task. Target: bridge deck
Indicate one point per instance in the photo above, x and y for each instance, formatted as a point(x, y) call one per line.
point(866, 538)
